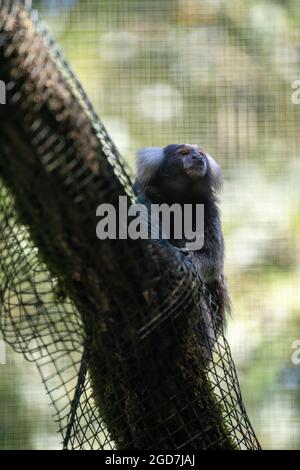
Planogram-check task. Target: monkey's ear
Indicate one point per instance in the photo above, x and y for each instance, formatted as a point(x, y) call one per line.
point(216, 174)
point(148, 161)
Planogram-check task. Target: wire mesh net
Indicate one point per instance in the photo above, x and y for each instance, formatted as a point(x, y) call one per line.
point(124, 335)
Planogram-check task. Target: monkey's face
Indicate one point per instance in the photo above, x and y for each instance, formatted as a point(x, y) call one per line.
point(185, 160)
point(177, 169)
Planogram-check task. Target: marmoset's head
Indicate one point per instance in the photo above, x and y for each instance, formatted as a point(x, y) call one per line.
point(181, 164)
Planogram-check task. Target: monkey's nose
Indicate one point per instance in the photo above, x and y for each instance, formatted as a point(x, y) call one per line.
point(197, 158)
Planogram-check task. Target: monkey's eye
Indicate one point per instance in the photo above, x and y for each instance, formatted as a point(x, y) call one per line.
point(184, 151)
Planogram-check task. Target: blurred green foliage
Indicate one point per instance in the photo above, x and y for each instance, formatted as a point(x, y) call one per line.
point(218, 73)
point(25, 416)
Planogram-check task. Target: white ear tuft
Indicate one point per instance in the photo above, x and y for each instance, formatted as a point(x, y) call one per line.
point(216, 173)
point(148, 161)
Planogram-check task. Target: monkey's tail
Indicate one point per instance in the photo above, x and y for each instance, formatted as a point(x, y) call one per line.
point(218, 292)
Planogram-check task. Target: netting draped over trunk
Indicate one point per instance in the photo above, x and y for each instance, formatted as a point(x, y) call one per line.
point(118, 328)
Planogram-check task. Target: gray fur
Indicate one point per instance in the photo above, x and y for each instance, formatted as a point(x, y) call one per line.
point(216, 173)
point(148, 161)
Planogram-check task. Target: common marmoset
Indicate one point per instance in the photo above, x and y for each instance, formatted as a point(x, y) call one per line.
point(186, 174)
